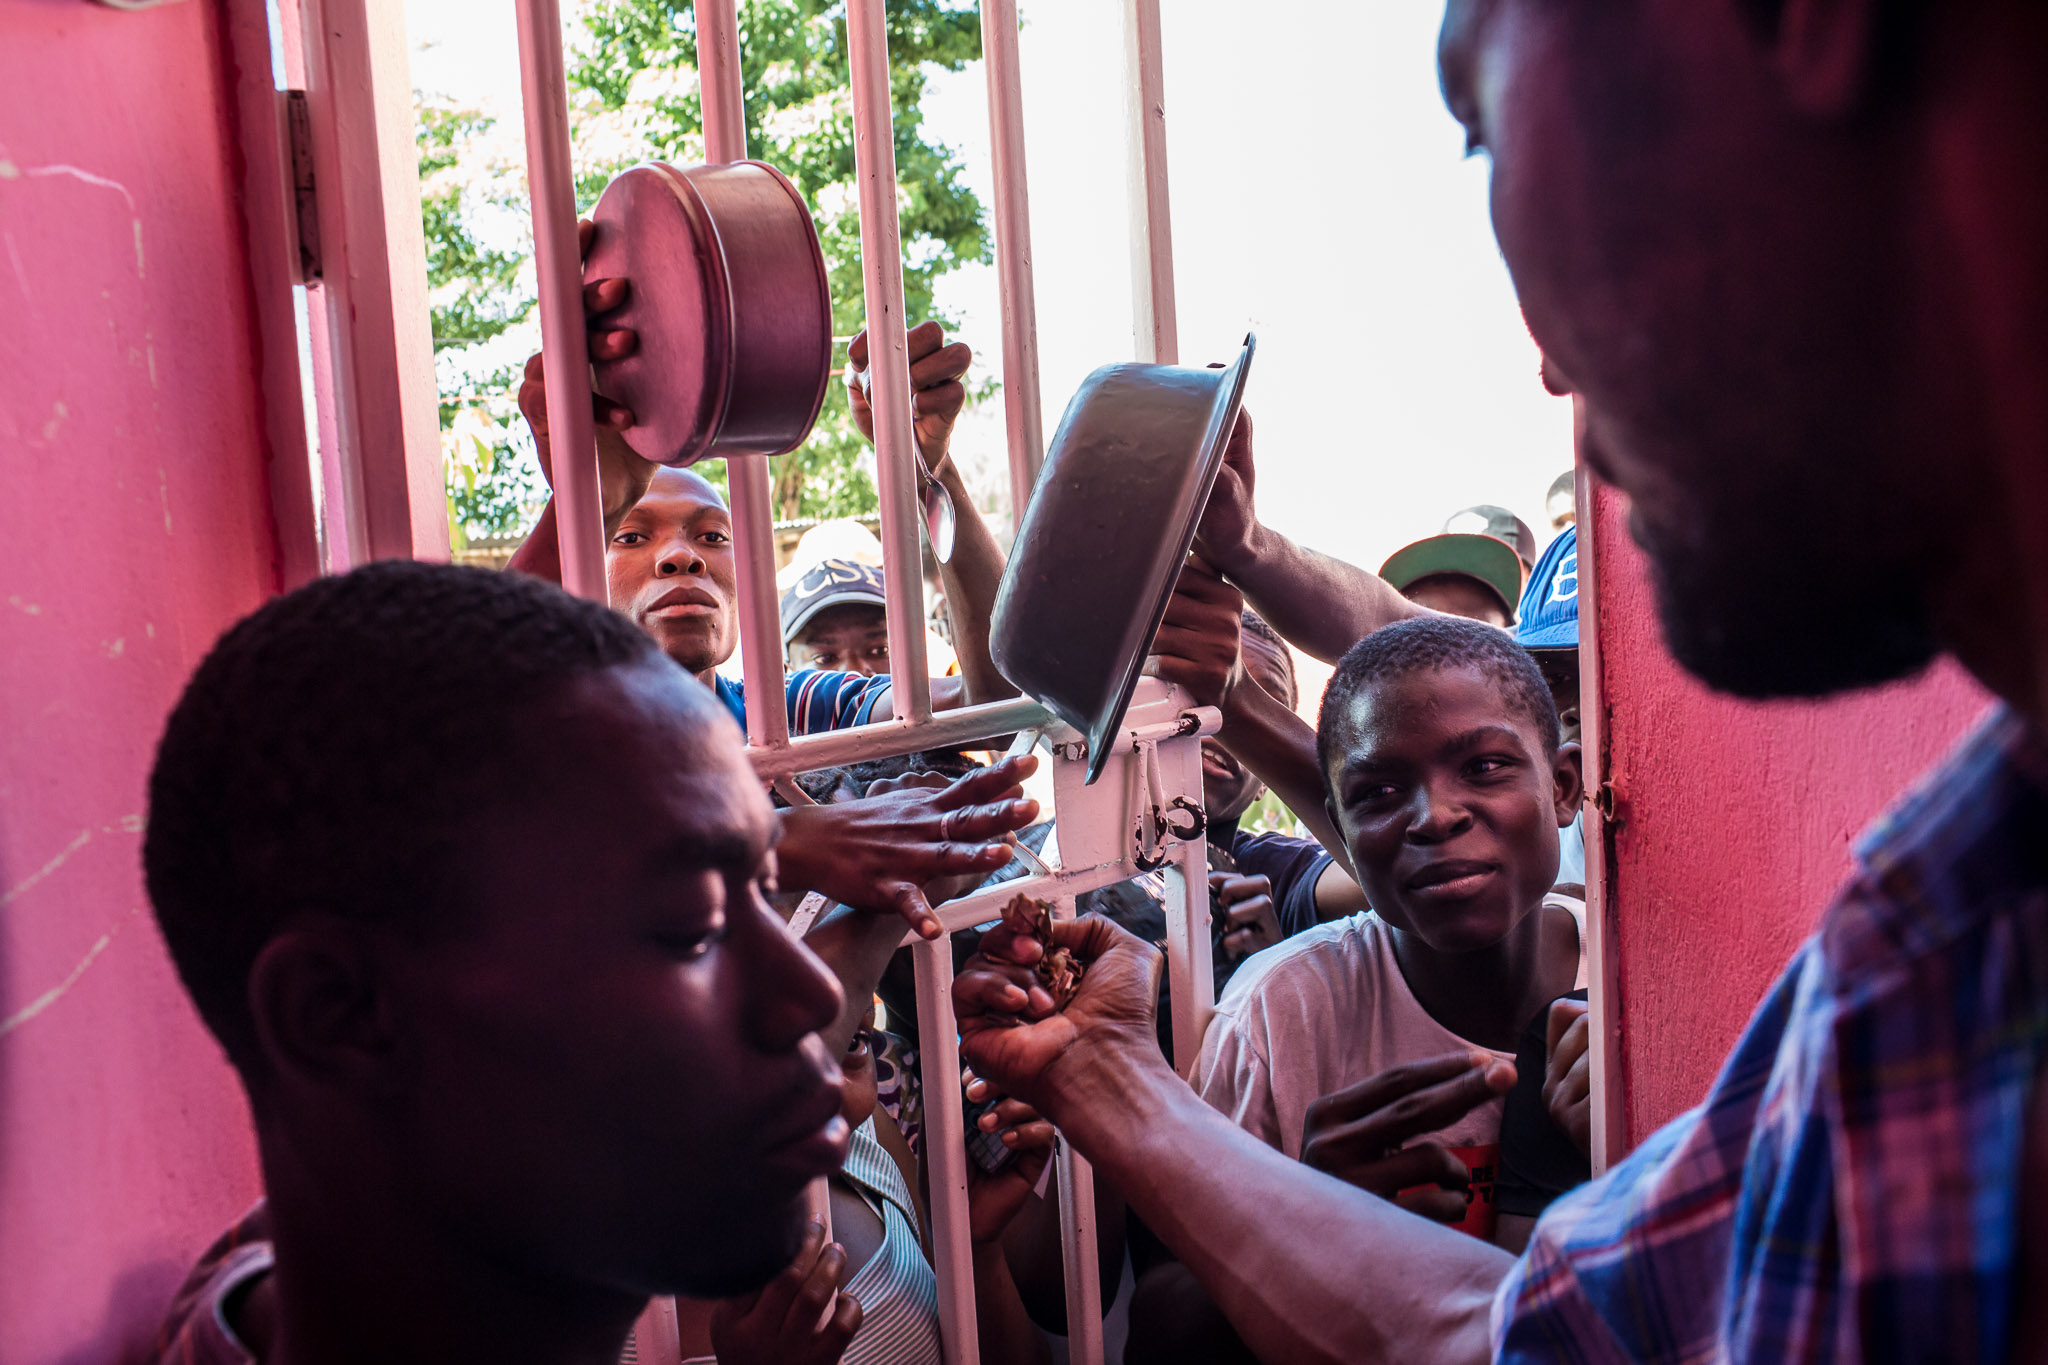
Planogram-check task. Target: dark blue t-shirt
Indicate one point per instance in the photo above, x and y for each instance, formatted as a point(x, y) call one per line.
point(1294, 866)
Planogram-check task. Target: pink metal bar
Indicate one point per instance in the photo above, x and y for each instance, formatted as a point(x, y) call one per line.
point(565, 347)
point(890, 738)
point(1154, 320)
point(1080, 1253)
point(747, 481)
point(720, 81)
point(270, 218)
point(1190, 967)
point(1023, 416)
point(881, 259)
point(945, 1148)
point(1081, 1257)
point(378, 337)
point(1603, 962)
point(657, 1337)
point(760, 625)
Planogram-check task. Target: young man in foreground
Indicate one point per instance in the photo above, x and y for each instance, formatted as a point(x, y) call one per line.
point(1787, 253)
point(466, 876)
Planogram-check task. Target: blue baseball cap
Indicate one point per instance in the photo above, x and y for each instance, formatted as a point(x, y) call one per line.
point(829, 583)
point(1549, 618)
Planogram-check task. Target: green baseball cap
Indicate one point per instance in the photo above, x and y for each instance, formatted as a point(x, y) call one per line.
point(1490, 560)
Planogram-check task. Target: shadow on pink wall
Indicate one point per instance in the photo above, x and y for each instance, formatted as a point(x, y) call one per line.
point(134, 527)
point(1736, 825)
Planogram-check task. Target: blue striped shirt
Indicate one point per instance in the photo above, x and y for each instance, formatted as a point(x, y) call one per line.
point(817, 700)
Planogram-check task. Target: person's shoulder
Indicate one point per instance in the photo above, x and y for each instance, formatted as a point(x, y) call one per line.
point(1314, 963)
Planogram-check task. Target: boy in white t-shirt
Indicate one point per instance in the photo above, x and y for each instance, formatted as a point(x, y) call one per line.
point(1444, 776)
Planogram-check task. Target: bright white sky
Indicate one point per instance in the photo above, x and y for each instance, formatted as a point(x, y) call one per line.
point(1319, 199)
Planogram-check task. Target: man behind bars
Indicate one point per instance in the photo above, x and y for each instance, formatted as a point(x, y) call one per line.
point(467, 878)
point(669, 558)
point(1790, 254)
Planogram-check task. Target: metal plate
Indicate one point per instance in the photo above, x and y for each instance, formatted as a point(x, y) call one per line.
point(1103, 540)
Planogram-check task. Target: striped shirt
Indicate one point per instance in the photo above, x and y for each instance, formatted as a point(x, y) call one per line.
point(817, 700)
point(897, 1292)
point(195, 1329)
point(1849, 1190)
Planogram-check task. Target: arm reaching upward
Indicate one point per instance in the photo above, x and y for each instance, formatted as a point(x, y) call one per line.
point(1200, 646)
point(621, 474)
point(972, 575)
point(1320, 604)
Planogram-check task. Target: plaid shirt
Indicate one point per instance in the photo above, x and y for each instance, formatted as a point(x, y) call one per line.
point(1849, 1189)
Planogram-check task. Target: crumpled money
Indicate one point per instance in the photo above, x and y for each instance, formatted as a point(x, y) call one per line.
point(1058, 970)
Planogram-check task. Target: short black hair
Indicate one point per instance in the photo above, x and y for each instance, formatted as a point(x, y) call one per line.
point(1255, 624)
point(322, 750)
point(1437, 642)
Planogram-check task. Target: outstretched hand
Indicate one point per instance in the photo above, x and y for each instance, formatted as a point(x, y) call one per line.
point(1364, 1134)
point(879, 853)
point(1224, 535)
point(1568, 1077)
point(936, 391)
point(622, 473)
point(1200, 639)
point(786, 1323)
point(1012, 1037)
point(994, 1198)
point(1251, 922)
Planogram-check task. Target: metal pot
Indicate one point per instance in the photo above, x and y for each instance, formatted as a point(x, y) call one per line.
point(1103, 539)
point(730, 301)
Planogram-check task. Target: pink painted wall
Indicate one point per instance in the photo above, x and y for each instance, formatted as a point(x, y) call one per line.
point(1735, 831)
point(134, 526)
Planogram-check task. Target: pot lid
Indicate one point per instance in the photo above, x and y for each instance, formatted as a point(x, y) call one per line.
point(651, 231)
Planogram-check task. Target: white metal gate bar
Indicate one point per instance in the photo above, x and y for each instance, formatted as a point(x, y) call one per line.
point(946, 729)
point(565, 347)
point(1080, 1252)
point(1023, 419)
point(747, 483)
point(945, 1151)
point(881, 265)
point(1154, 321)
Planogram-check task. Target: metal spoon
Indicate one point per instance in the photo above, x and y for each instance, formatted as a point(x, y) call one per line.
point(939, 516)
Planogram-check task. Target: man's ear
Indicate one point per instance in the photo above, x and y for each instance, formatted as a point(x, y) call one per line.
point(322, 1008)
point(1827, 52)
point(1568, 775)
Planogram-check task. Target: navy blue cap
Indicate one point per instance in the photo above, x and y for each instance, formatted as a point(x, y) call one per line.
point(829, 583)
point(1549, 618)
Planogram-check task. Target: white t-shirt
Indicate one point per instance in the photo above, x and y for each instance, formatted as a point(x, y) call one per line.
point(1325, 1010)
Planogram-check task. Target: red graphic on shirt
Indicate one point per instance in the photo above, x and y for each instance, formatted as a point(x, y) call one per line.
point(1484, 1164)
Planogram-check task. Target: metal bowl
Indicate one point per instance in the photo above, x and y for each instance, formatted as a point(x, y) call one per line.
point(1104, 537)
point(730, 300)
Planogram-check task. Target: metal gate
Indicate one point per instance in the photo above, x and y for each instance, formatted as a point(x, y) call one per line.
point(1107, 832)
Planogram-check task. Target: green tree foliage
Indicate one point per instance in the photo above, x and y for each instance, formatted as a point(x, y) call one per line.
point(634, 97)
point(478, 293)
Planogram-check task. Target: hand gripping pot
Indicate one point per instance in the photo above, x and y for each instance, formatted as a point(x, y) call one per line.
point(728, 295)
point(1102, 542)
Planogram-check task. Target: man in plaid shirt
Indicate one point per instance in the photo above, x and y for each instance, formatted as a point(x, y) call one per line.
point(1789, 255)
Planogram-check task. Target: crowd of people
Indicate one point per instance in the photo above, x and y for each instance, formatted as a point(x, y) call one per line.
point(475, 886)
